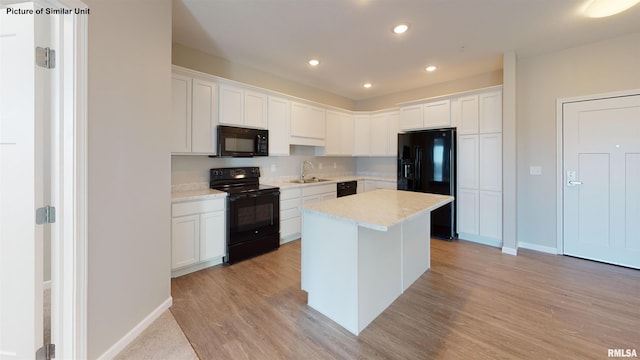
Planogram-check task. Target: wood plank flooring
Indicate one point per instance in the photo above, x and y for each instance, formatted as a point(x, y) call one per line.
point(474, 303)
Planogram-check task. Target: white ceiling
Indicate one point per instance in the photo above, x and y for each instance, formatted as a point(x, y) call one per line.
point(354, 42)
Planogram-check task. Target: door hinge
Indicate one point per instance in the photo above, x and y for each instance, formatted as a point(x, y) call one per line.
point(45, 57)
point(46, 215)
point(47, 352)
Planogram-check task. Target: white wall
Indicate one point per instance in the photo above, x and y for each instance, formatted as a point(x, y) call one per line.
point(607, 66)
point(129, 166)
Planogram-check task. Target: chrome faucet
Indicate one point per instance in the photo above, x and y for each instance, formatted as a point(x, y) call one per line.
point(302, 172)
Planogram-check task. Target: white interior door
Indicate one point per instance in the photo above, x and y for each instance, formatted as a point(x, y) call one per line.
point(601, 164)
point(21, 243)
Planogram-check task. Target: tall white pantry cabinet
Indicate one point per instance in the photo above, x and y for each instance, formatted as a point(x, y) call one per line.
point(478, 118)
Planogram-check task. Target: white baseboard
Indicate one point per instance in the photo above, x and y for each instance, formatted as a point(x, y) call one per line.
point(480, 240)
point(136, 331)
point(545, 249)
point(510, 251)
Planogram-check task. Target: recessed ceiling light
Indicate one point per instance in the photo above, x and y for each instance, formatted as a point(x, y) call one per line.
point(400, 29)
point(604, 8)
point(431, 68)
point(314, 62)
point(367, 85)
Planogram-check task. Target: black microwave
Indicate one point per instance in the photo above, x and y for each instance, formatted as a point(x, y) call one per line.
point(242, 142)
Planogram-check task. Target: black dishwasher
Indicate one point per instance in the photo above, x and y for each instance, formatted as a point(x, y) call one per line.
point(347, 188)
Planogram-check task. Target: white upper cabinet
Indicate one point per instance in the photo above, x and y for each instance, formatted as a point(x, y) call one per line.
point(308, 124)
point(428, 115)
point(467, 115)
point(204, 110)
point(362, 135)
point(279, 115)
point(379, 135)
point(339, 140)
point(255, 109)
point(194, 115)
point(437, 114)
point(181, 113)
point(384, 133)
point(393, 122)
point(411, 117)
point(490, 112)
point(240, 107)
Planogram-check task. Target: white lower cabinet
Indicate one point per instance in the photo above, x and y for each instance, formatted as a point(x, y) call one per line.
point(198, 231)
point(290, 201)
point(315, 193)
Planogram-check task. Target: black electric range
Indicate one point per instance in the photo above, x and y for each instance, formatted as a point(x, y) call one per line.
point(253, 212)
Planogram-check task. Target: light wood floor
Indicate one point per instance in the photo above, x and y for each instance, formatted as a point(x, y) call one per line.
point(474, 303)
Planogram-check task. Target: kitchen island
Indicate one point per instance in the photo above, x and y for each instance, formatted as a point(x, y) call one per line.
point(360, 252)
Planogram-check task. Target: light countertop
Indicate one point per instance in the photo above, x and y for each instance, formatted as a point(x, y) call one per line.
point(379, 209)
point(200, 191)
point(198, 194)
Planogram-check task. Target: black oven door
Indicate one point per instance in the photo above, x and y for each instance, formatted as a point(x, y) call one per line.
point(253, 216)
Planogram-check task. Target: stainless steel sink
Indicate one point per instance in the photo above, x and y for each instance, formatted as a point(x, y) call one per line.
point(308, 181)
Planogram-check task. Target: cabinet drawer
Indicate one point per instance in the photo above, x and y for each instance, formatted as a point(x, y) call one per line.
point(197, 207)
point(289, 194)
point(319, 189)
point(289, 204)
point(289, 213)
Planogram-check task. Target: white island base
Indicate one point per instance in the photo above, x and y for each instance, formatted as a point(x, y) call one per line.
point(359, 253)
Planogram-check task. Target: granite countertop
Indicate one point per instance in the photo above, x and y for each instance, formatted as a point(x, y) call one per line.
point(379, 209)
point(331, 180)
point(198, 194)
point(201, 191)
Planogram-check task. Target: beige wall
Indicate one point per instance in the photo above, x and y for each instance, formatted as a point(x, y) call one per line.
point(450, 87)
point(129, 103)
point(210, 64)
point(606, 66)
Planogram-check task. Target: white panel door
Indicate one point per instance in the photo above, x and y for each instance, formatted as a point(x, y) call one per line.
point(411, 117)
point(468, 161)
point(185, 241)
point(180, 113)
point(255, 110)
point(204, 116)
point(490, 214)
point(437, 114)
point(231, 105)
point(468, 115)
point(279, 118)
point(362, 135)
point(379, 135)
point(212, 235)
point(21, 189)
point(491, 112)
point(490, 162)
point(468, 205)
point(601, 168)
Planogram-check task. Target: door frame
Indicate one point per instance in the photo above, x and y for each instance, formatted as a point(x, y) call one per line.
point(69, 235)
point(560, 154)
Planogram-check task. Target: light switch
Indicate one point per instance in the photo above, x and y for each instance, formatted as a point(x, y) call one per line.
point(535, 170)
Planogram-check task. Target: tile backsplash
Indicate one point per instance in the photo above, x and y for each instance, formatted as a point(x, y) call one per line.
point(191, 172)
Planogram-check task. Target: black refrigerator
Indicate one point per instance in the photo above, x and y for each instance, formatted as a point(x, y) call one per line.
point(427, 163)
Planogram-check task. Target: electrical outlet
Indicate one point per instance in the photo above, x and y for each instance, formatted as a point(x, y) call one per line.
point(273, 167)
point(535, 170)
point(335, 166)
point(319, 166)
